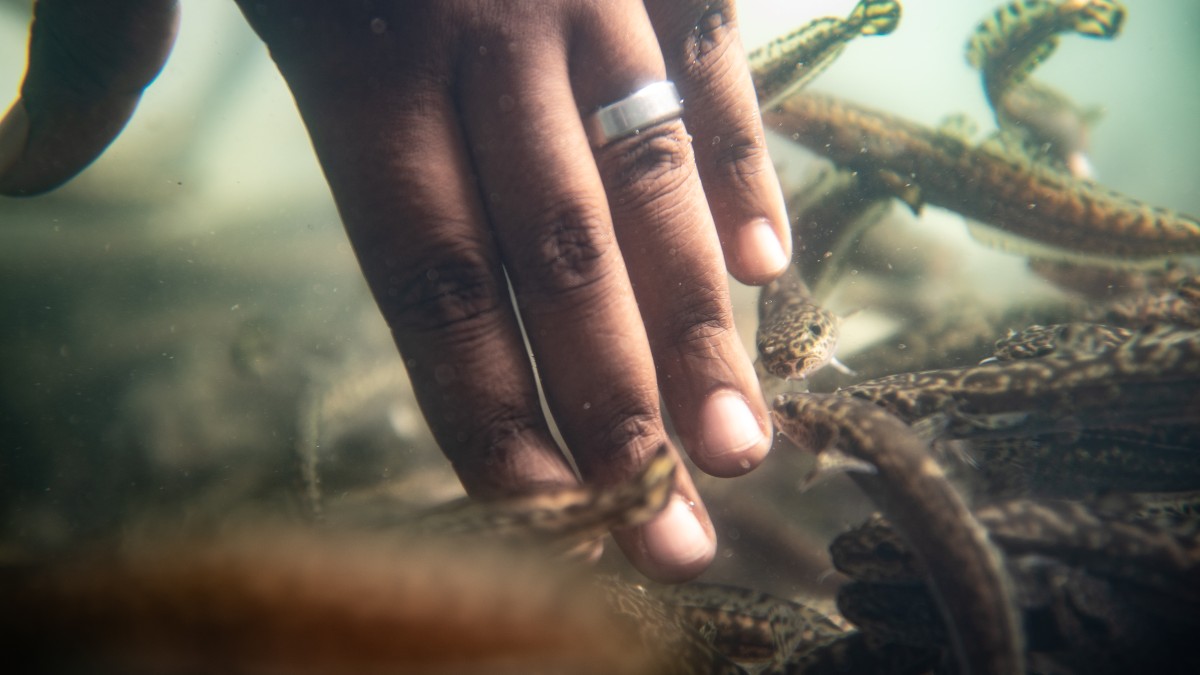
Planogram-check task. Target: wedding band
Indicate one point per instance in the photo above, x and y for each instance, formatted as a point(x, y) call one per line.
point(650, 105)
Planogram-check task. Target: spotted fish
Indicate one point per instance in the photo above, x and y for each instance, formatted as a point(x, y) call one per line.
point(560, 519)
point(796, 336)
point(964, 570)
point(1009, 44)
point(785, 65)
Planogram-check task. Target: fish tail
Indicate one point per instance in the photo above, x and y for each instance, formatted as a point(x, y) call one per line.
point(1100, 19)
point(875, 17)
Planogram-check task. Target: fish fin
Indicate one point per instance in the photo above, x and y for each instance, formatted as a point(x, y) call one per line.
point(958, 451)
point(849, 313)
point(960, 126)
point(841, 367)
point(831, 462)
point(902, 188)
point(929, 428)
point(1100, 19)
point(875, 17)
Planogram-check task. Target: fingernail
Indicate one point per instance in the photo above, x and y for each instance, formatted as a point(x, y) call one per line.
point(727, 425)
point(675, 538)
point(760, 247)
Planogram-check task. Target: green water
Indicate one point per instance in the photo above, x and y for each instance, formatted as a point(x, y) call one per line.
point(184, 327)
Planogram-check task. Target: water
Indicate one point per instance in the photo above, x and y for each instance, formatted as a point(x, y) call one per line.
point(186, 333)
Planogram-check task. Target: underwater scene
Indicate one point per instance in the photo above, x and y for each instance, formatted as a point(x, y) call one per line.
point(983, 366)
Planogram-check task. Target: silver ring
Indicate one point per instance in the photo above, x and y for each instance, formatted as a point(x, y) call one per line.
point(644, 108)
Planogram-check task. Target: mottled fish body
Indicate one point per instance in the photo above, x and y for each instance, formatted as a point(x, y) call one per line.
point(796, 336)
point(787, 64)
point(1009, 44)
point(1029, 203)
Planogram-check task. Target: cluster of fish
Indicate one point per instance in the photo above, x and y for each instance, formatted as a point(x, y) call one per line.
point(1039, 507)
point(466, 587)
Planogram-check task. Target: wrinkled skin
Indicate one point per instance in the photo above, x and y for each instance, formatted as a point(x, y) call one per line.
point(451, 136)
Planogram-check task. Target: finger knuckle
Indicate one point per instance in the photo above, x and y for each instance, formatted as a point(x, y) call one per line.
point(497, 446)
point(499, 425)
point(453, 283)
point(629, 432)
point(712, 35)
point(701, 316)
point(648, 166)
point(566, 254)
point(740, 157)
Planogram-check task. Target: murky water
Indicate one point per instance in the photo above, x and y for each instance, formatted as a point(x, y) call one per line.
point(186, 335)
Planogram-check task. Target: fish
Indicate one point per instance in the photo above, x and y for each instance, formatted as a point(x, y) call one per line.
point(796, 336)
point(1028, 205)
point(1008, 45)
point(1050, 125)
point(964, 570)
point(785, 65)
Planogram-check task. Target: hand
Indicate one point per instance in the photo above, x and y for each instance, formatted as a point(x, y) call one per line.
point(451, 135)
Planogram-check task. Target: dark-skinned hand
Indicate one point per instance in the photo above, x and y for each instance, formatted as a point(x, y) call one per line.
point(451, 134)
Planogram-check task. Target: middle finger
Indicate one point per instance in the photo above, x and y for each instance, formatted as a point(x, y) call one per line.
point(671, 248)
point(547, 203)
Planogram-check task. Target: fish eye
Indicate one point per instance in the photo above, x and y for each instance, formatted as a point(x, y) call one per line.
point(815, 329)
